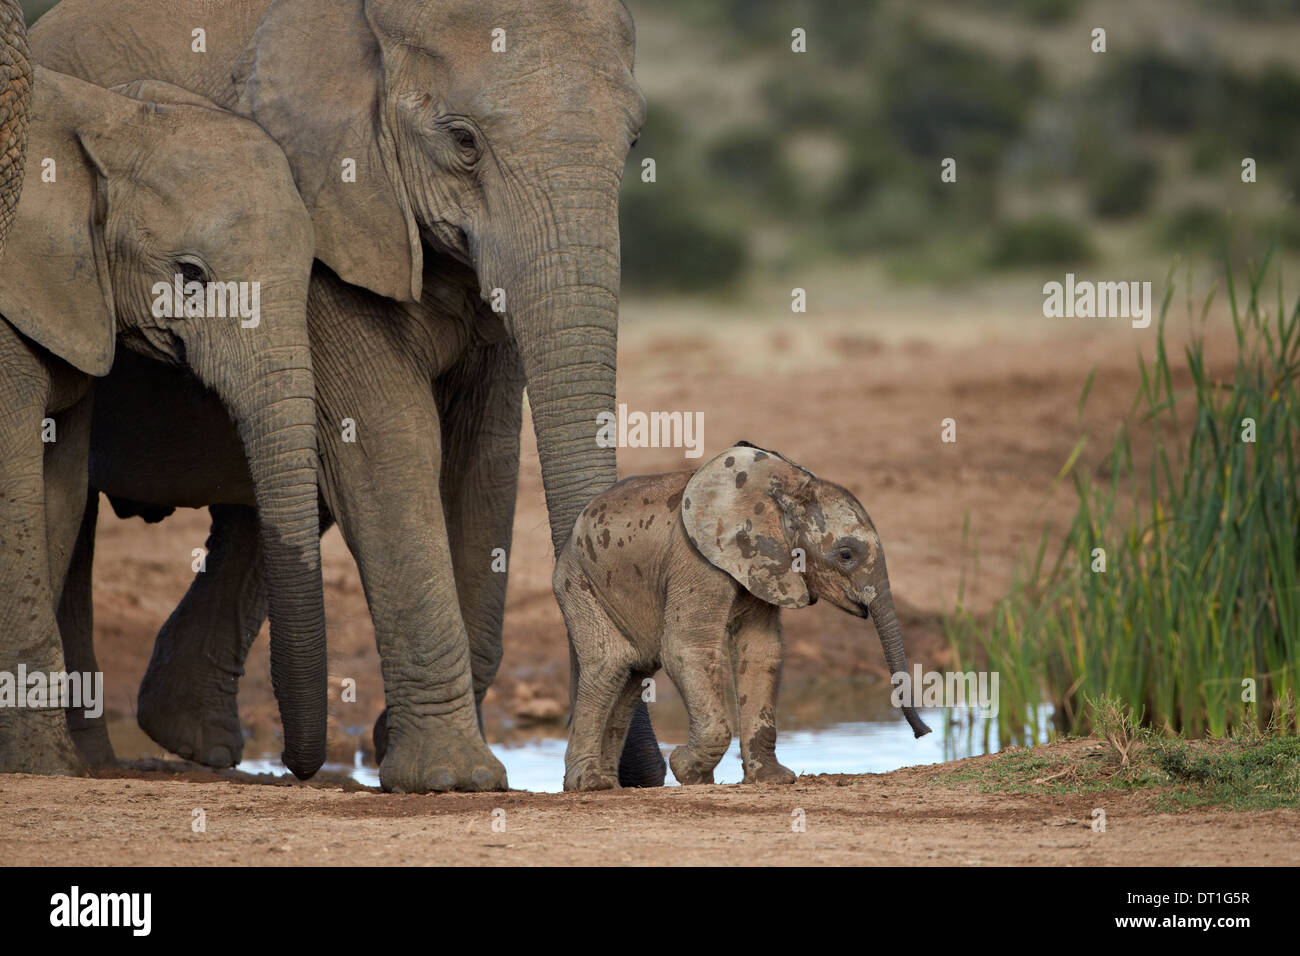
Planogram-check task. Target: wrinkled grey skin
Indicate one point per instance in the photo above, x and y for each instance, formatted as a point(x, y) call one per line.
point(15, 104)
point(475, 171)
point(690, 571)
point(143, 187)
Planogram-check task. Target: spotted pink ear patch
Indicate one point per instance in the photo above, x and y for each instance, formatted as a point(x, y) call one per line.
point(730, 517)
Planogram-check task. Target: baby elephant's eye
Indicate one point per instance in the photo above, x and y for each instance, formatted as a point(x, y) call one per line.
point(845, 556)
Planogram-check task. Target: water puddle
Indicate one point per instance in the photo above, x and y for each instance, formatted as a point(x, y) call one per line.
point(834, 726)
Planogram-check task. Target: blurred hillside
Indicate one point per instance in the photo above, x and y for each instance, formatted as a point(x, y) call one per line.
point(769, 160)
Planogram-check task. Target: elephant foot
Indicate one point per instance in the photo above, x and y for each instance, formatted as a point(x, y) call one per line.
point(91, 739)
point(768, 770)
point(37, 741)
point(194, 719)
point(437, 757)
point(688, 769)
point(589, 779)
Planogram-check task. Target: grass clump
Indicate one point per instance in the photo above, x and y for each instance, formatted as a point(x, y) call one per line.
point(1176, 588)
point(1257, 769)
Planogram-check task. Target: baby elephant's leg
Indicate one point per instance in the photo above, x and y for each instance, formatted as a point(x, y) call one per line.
point(619, 719)
point(756, 667)
point(604, 662)
point(694, 633)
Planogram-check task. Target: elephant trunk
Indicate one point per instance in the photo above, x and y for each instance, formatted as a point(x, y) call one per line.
point(15, 104)
point(881, 607)
point(563, 314)
point(268, 389)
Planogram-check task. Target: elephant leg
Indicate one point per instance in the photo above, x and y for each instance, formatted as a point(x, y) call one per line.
point(620, 717)
point(604, 663)
point(33, 739)
point(72, 510)
point(755, 647)
point(481, 405)
point(694, 632)
point(188, 699)
point(77, 626)
point(381, 446)
point(600, 691)
point(698, 671)
point(66, 468)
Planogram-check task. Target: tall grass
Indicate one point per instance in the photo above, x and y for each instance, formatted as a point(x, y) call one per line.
point(1200, 593)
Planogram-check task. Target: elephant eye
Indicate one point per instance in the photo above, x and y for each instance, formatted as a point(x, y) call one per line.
point(189, 271)
point(466, 144)
point(845, 557)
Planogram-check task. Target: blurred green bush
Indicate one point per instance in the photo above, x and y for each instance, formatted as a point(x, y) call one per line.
point(669, 246)
point(1043, 240)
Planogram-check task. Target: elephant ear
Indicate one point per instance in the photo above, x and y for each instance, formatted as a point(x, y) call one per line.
point(738, 511)
point(313, 77)
point(54, 278)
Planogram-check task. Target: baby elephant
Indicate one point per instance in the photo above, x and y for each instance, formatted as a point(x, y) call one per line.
point(687, 570)
point(155, 221)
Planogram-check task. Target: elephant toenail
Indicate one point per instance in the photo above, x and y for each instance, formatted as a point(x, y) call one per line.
point(483, 779)
point(441, 780)
point(220, 756)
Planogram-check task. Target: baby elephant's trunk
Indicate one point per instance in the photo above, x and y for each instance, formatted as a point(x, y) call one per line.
point(882, 613)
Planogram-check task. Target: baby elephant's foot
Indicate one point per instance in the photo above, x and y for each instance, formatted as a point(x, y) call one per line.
point(37, 741)
point(768, 770)
point(688, 768)
point(590, 779)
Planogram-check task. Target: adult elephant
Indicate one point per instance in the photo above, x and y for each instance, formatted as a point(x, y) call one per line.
point(15, 103)
point(450, 154)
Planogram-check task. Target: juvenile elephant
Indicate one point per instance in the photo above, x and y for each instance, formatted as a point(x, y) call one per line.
point(163, 223)
point(688, 570)
point(451, 153)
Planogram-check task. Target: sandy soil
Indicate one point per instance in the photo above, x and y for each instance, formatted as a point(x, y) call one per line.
point(910, 817)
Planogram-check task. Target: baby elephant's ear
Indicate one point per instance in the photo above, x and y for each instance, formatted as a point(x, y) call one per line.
point(736, 511)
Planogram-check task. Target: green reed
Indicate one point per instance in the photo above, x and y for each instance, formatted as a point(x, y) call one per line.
point(1200, 592)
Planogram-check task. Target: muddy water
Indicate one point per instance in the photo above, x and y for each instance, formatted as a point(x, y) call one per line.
point(827, 726)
